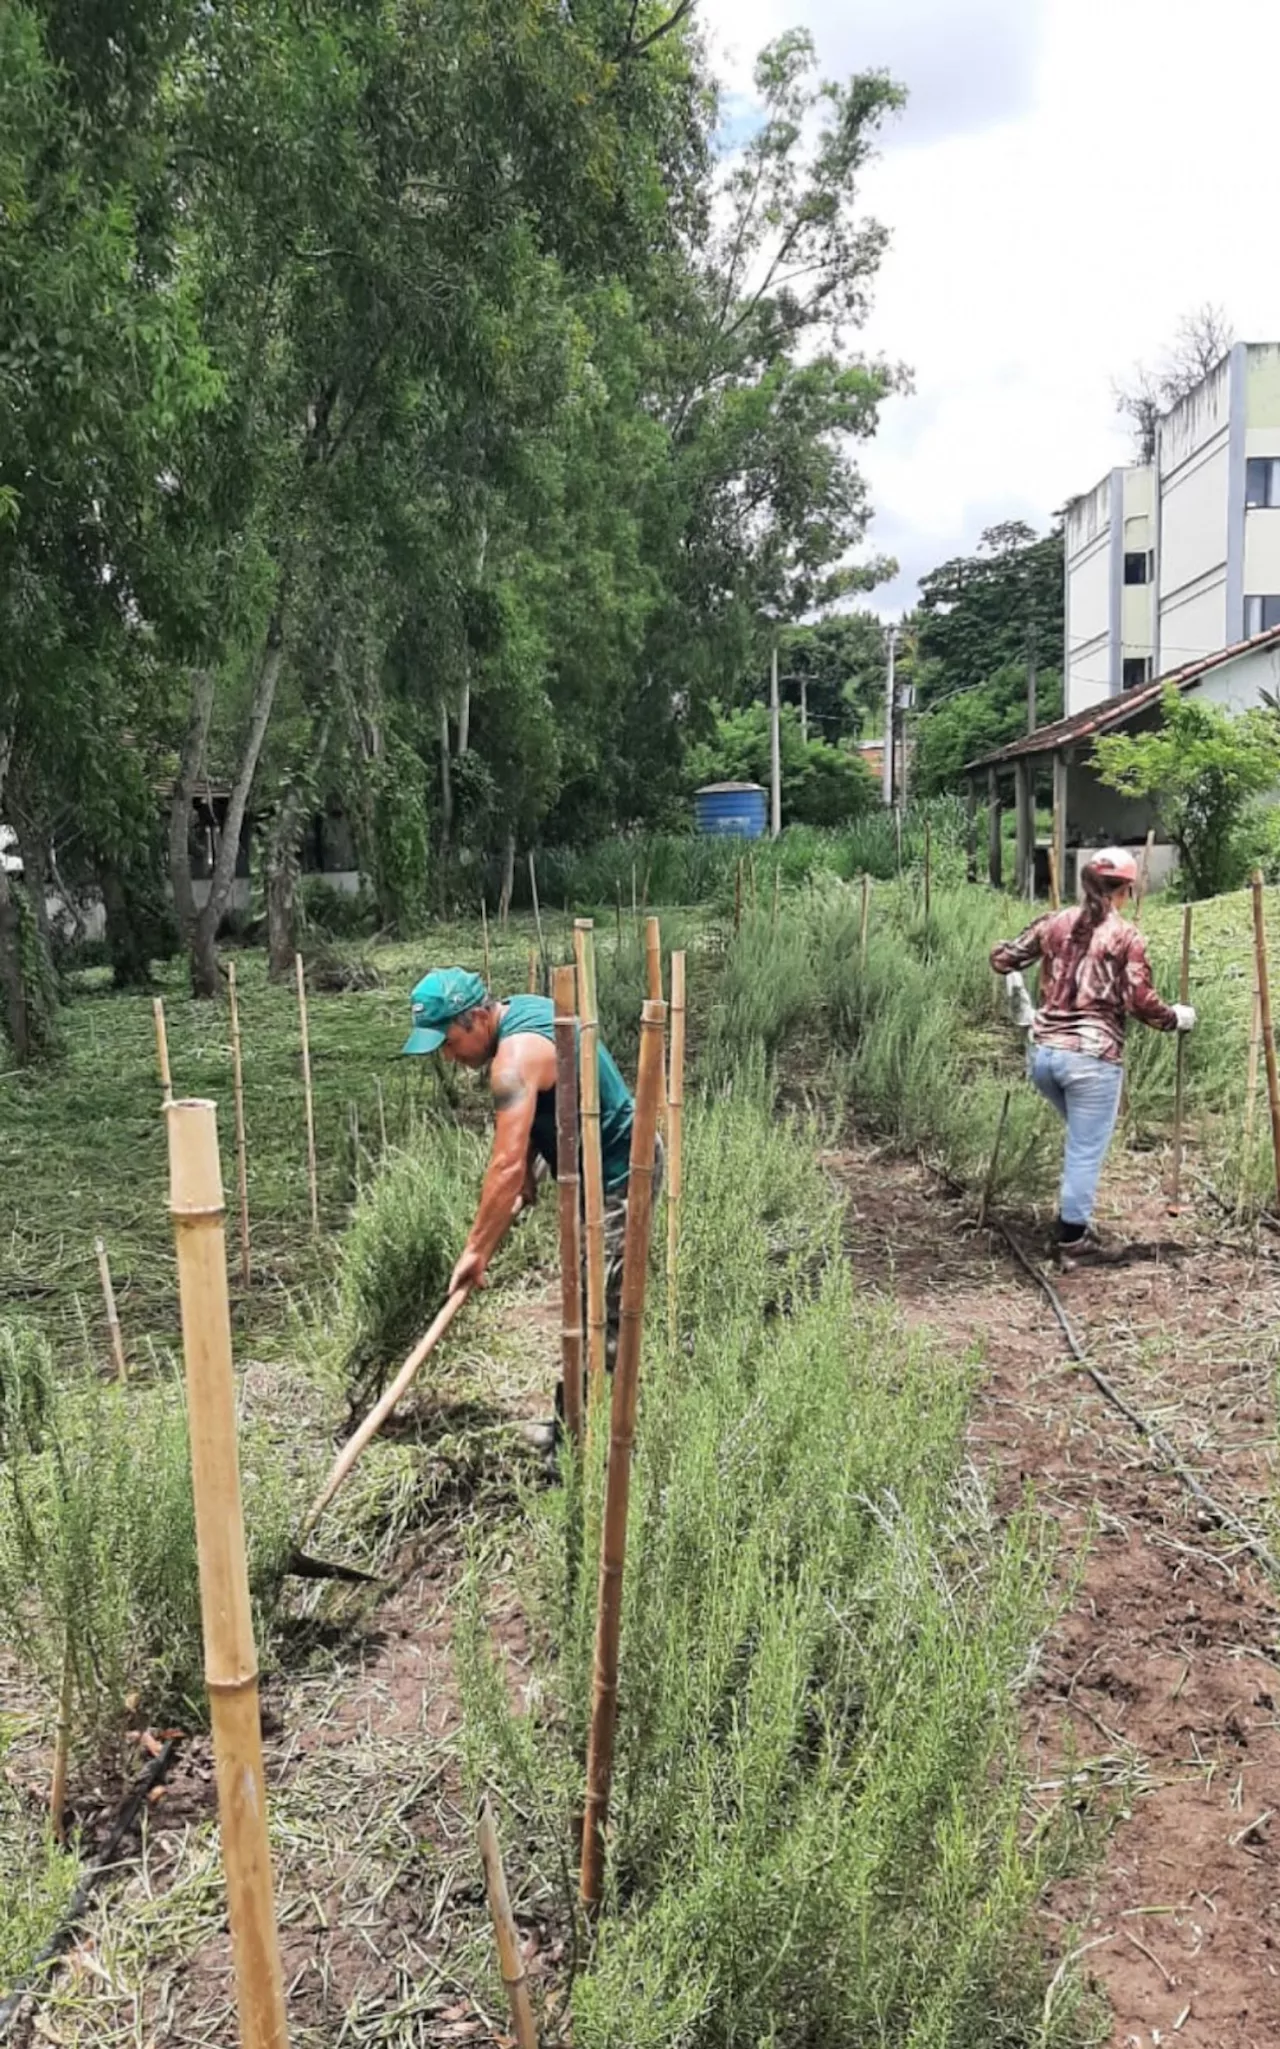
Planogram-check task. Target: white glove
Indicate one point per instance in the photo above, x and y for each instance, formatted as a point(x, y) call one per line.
point(1186, 1017)
point(1021, 1012)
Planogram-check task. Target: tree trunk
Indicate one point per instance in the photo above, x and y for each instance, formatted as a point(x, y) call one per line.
point(127, 929)
point(34, 853)
point(464, 715)
point(282, 887)
point(190, 763)
point(204, 933)
point(508, 878)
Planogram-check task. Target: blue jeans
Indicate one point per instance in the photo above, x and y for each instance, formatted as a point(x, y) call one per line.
point(1085, 1092)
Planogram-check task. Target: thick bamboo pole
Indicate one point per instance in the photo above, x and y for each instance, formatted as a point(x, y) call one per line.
point(510, 1961)
point(381, 1409)
point(113, 1319)
point(231, 1666)
point(675, 1145)
point(1264, 1011)
point(162, 1049)
point(242, 1156)
point(592, 1166)
point(62, 1748)
point(1250, 1100)
point(1180, 1059)
point(622, 1431)
point(306, 1090)
point(568, 1181)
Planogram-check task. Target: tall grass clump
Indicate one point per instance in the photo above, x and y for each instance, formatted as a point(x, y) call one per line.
point(37, 1879)
point(407, 1229)
point(817, 1824)
point(98, 1553)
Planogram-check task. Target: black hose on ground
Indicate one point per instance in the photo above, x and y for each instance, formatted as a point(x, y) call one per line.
point(1225, 1518)
point(11, 2006)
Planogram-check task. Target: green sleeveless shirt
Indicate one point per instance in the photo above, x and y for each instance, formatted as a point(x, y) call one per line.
point(537, 1014)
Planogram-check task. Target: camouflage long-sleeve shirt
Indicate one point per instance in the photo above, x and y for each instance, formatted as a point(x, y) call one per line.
point(1087, 993)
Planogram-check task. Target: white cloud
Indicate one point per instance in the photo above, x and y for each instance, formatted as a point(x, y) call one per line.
point(1077, 175)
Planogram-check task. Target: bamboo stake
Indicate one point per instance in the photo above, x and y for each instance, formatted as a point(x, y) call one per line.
point(568, 1181)
point(113, 1319)
point(928, 869)
point(62, 1748)
point(737, 898)
point(242, 1157)
point(653, 963)
point(231, 1665)
point(1250, 1100)
point(635, 904)
point(751, 877)
point(488, 969)
point(1180, 1059)
point(382, 1117)
point(1264, 1011)
point(533, 970)
point(510, 1961)
point(866, 915)
point(162, 1049)
point(537, 909)
point(675, 1144)
point(990, 1181)
point(381, 1409)
point(1055, 899)
point(592, 1165)
point(306, 1090)
point(618, 942)
point(622, 1431)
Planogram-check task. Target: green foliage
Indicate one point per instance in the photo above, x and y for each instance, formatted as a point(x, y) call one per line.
point(816, 1825)
point(26, 1386)
point(406, 1232)
point(821, 784)
point(955, 730)
point(37, 1878)
point(1203, 768)
point(988, 611)
point(98, 1552)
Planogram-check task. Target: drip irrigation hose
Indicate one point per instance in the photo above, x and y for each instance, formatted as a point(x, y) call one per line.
point(1225, 1518)
point(11, 2006)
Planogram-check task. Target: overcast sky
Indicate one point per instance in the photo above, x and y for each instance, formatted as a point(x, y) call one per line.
point(1070, 177)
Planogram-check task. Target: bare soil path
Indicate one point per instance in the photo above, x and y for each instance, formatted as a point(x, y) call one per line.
point(1159, 1687)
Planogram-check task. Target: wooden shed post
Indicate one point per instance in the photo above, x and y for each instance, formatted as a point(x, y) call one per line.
point(1025, 818)
point(1060, 819)
point(995, 851)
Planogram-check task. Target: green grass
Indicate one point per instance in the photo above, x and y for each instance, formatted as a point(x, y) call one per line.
point(818, 1825)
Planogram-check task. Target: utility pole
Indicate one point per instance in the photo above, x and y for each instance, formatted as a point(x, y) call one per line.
point(890, 722)
point(775, 750)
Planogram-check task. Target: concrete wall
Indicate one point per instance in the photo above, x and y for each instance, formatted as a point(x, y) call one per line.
point(1196, 462)
point(1090, 598)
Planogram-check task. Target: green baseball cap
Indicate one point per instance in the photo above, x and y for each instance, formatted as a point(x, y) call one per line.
point(441, 996)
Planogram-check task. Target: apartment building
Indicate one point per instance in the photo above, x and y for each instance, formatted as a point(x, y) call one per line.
point(1110, 595)
point(1169, 562)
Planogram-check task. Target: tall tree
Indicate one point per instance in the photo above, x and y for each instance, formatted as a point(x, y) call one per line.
point(1201, 340)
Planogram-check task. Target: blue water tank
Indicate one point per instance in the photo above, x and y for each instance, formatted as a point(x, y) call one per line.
point(731, 808)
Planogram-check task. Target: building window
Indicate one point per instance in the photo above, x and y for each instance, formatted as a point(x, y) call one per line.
point(1262, 480)
point(1136, 670)
point(1260, 615)
point(1138, 565)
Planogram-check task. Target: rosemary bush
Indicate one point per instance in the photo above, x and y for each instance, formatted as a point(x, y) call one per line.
point(817, 1819)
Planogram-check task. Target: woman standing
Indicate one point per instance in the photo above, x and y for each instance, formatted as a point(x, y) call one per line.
point(1094, 976)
